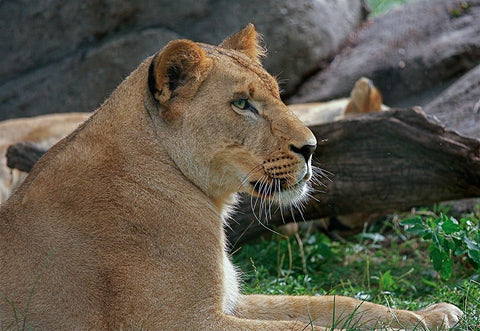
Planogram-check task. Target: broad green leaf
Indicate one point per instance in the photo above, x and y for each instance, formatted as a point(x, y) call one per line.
point(416, 225)
point(427, 235)
point(447, 269)
point(471, 244)
point(450, 226)
point(474, 255)
point(448, 244)
point(442, 262)
point(437, 257)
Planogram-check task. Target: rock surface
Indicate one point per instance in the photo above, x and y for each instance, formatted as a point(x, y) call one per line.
point(458, 107)
point(46, 31)
point(80, 81)
point(411, 53)
point(60, 56)
point(299, 34)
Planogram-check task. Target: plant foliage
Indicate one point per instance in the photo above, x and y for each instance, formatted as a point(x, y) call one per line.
point(452, 242)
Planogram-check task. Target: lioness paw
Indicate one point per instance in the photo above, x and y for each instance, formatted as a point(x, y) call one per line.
point(441, 315)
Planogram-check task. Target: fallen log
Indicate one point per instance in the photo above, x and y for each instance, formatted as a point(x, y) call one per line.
point(375, 163)
point(23, 155)
point(379, 163)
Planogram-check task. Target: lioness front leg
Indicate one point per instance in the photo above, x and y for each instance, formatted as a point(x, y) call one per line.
point(348, 312)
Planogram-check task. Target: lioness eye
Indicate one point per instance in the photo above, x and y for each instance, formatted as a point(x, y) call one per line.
point(243, 104)
point(240, 103)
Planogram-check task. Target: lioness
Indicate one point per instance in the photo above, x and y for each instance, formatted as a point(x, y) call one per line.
point(120, 224)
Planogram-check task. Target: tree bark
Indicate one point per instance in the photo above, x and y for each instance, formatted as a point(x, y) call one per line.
point(376, 163)
point(380, 163)
point(23, 155)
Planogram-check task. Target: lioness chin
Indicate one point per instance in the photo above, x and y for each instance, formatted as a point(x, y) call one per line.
point(120, 225)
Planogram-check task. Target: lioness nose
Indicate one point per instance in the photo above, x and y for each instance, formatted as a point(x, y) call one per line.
point(306, 150)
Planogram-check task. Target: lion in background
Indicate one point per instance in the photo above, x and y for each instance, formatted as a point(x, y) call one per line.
point(120, 224)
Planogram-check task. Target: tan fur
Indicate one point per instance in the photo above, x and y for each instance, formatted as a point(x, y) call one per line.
point(120, 225)
point(365, 98)
point(44, 130)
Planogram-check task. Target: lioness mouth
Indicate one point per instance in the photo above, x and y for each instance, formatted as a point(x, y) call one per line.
point(266, 189)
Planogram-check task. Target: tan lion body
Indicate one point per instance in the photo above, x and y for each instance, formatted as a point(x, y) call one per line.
point(120, 225)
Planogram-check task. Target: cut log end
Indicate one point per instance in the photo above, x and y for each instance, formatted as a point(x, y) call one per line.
point(23, 155)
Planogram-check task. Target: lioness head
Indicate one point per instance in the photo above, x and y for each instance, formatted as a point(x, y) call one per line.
point(220, 116)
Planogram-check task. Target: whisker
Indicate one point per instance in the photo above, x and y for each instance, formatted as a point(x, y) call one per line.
point(268, 196)
point(318, 174)
point(321, 172)
point(292, 214)
point(258, 190)
point(268, 210)
point(281, 213)
point(311, 196)
point(262, 199)
point(252, 206)
point(269, 229)
point(274, 188)
point(268, 187)
point(300, 206)
point(277, 208)
point(250, 173)
point(206, 174)
point(220, 183)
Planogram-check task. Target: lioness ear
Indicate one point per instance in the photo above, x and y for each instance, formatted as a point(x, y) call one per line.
point(364, 98)
point(178, 69)
point(246, 41)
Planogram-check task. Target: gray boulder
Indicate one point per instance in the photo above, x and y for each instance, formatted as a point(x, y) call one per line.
point(299, 34)
point(411, 53)
point(39, 33)
point(82, 81)
point(458, 107)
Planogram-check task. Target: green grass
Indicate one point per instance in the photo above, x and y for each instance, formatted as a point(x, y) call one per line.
point(386, 264)
point(380, 6)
